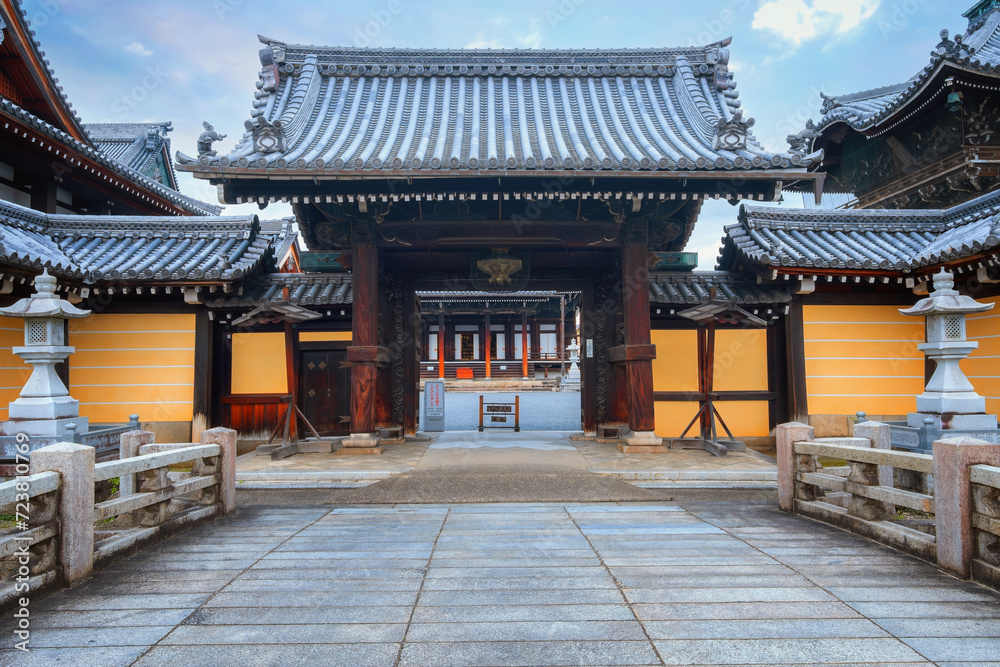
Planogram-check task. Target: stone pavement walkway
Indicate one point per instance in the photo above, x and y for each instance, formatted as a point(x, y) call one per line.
point(515, 584)
point(679, 467)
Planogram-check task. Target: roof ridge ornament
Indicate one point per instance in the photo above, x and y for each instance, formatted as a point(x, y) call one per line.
point(948, 48)
point(206, 139)
point(732, 134)
point(802, 142)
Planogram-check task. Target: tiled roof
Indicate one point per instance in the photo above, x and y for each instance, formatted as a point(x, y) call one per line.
point(140, 180)
point(304, 289)
point(152, 249)
point(20, 16)
point(135, 145)
point(373, 111)
point(900, 241)
point(695, 289)
point(978, 50)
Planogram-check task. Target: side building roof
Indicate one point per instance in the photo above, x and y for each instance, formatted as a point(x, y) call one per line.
point(137, 146)
point(976, 52)
point(897, 242)
point(146, 250)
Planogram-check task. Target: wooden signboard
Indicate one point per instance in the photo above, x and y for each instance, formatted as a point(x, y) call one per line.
point(500, 415)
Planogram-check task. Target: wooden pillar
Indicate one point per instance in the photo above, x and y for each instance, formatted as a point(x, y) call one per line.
point(489, 343)
point(411, 360)
point(364, 352)
point(203, 371)
point(43, 194)
point(638, 352)
point(524, 345)
point(441, 345)
point(796, 360)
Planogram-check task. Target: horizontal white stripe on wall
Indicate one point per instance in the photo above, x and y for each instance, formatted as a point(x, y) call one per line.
point(75, 367)
point(128, 331)
point(133, 349)
point(874, 377)
point(859, 340)
point(868, 358)
point(908, 324)
point(862, 395)
point(169, 384)
point(140, 403)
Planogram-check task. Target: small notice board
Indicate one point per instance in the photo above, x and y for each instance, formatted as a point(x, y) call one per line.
point(500, 415)
point(433, 405)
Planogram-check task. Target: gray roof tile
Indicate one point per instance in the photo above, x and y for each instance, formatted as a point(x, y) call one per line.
point(95, 249)
point(900, 241)
point(977, 50)
point(361, 110)
point(683, 289)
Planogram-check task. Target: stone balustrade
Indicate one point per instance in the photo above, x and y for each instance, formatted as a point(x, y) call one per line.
point(65, 533)
point(962, 533)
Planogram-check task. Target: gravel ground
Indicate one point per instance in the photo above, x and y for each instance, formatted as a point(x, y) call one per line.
point(540, 410)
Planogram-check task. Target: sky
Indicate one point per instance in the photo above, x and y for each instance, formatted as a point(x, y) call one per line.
point(188, 61)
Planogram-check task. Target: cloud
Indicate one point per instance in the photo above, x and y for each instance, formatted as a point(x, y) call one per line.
point(801, 20)
point(136, 48)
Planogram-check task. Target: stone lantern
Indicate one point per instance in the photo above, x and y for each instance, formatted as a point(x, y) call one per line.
point(45, 406)
point(573, 376)
point(949, 399)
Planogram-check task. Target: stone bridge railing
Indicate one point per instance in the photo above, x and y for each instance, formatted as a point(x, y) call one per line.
point(60, 533)
point(944, 507)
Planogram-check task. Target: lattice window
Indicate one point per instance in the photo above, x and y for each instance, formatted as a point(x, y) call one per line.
point(37, 333)
point(953, 327)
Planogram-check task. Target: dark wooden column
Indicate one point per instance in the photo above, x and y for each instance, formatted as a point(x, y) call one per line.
point(203, 367)
point(638, 352)
point(796, 359)
point(364, 354)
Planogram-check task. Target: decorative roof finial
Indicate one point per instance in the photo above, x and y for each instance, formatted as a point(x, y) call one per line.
point(207, 138)
point(801, 143)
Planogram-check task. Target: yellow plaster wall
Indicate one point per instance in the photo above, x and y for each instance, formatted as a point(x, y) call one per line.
point(324, 336)
point(259, 363)
point(741, 360)
point(983, 365)
point(13, 372)
point(676, 365)
point(740, 365)
point(862, 358)
point(134, 363)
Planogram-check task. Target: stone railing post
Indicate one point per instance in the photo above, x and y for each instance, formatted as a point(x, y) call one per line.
point(131, 441)
point(953, 498)
point(75, 465)
point(787, 435)
point(225, 438)
point(880, 435)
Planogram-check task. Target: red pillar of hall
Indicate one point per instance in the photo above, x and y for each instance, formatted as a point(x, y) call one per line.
point(638, 352)
point(364, 354)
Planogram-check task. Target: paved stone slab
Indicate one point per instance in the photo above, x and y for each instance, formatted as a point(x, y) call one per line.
point(538, 584)
point(784, 651)
point(474, 654)
point(249, 655)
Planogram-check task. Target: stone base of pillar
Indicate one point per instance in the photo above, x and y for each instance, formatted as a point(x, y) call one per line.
point(361, 443)
point(642, 442)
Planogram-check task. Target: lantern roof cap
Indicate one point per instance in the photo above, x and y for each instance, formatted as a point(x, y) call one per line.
point(44, 302)
point(945, 299)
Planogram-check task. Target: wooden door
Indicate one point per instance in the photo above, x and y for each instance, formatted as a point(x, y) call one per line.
point(325, 390)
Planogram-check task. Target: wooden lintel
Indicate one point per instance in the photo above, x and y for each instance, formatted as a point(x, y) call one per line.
point(632, 353)
point(372, 354)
